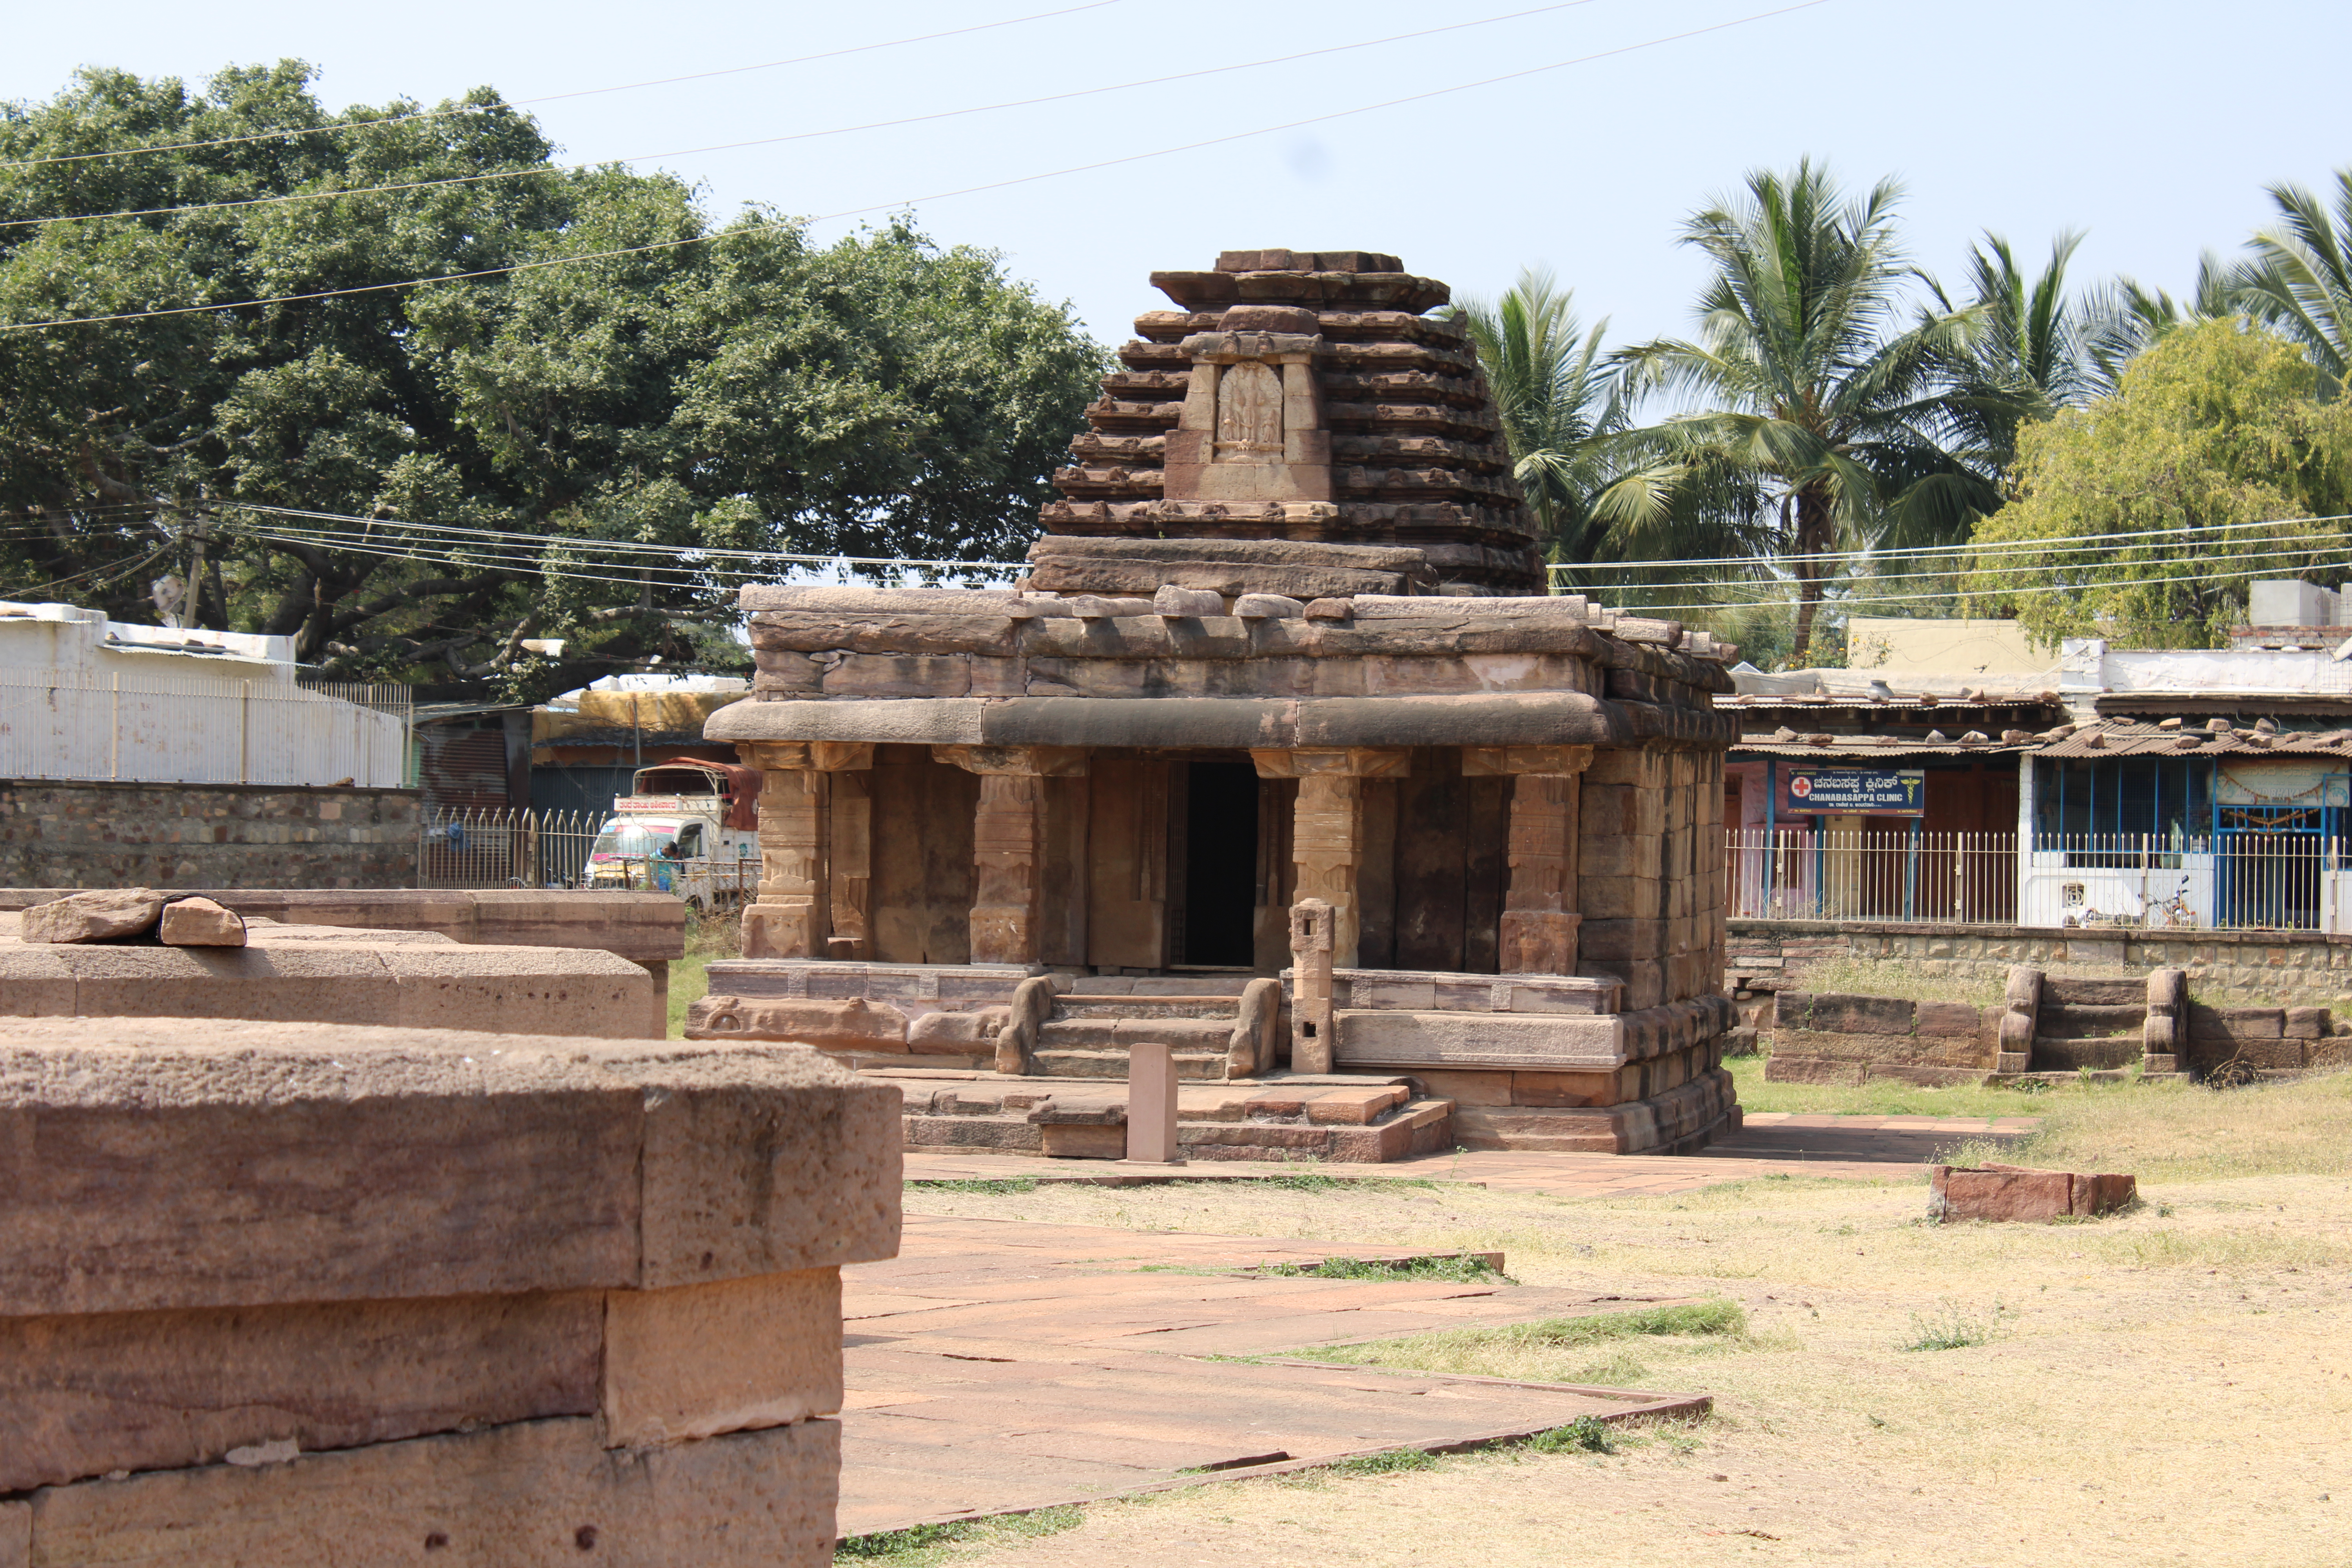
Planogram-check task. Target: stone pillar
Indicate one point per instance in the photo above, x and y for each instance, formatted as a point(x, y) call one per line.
point(850, 863)
point(1312, 1036)
point(1008, 843)
point(1539, 917)
point(793, 916)
point(1327, 831)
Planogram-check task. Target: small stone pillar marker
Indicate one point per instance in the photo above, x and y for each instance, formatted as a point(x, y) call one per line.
point(1312, 928)
point(1152, 1104)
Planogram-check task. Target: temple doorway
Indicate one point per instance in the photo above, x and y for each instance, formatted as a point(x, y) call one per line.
point(1220, 838)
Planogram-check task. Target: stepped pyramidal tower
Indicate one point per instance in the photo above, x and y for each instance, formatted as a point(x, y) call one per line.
point(1297, 426)
point(1277, 754)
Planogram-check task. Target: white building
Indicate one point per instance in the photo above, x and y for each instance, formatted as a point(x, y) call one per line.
point(82, 697)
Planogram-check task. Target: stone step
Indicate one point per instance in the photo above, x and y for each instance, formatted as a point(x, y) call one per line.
point(2087, 1020)
point(1090, 1005)
point(1270, 1121)
point(2093, 992)
point(1162, 985)
point(2067, 1054)
point(1115, 1034)
point(1191, 1066)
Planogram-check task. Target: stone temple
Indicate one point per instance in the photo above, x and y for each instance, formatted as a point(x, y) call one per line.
point(1278, 753)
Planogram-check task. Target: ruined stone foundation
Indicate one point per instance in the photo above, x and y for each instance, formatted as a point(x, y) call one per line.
point(1279, 755)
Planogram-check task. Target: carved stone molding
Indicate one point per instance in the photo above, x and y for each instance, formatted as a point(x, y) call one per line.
point(1025, 762)
point(809, 756)
point(1354, 762)
point(1489, 761)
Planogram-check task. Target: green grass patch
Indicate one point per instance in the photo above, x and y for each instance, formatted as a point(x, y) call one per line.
point(1556, 1350)
point(1461, 1267)
point(1954, 1328)
point(1886, 1097)
point(928, 1543)
point(994, 1186)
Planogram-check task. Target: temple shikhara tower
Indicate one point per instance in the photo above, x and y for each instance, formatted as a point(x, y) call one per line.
point(1278, 753)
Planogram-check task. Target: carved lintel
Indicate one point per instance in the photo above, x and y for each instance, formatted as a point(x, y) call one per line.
point(1489, 761)
point(1354, 762)
point(809, 756)
point(1026, 762)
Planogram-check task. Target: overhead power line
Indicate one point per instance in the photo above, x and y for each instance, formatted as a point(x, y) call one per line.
point(547, 98)
point(1931, 552)
point(906, 202)
point(793, 136)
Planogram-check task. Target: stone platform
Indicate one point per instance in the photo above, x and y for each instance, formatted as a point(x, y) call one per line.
point(1300, 1117)
point(998, 1365)
point(333, 974)
point(290, 1295)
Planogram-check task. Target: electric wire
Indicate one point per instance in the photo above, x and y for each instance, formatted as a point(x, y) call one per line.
point(548, 97)
point(774, 141)
point(776, 226)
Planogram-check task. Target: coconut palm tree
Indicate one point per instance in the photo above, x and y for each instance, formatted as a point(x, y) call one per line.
point(1558, 396)
point(2125, 316)
point(2300, 280)
point(2032, 354)
point(1818, 423)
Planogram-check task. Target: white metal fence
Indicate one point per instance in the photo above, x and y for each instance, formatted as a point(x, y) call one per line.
point(2242, 881)
point(562, 849)
point(2257, 879)
point(1935, 878)
point(206, 730)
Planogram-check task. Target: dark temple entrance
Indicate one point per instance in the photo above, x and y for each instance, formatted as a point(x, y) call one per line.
point(1220, 864)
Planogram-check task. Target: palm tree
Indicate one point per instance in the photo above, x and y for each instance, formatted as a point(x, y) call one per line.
point(2300, 280)
point(2122, 317)
point(2032, 353)
point(1820, 428)
point(1557, 397)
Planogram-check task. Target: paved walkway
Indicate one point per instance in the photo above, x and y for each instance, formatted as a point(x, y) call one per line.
point(999, 1364)
point(1871, 1148)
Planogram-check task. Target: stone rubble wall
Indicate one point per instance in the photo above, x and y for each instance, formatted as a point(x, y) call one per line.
point(2285, 966)
point(70, 834)
point(291, 1295)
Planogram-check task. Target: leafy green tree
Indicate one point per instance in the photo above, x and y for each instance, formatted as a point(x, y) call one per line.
point(2032, 351)
point(704, 387)
point(1817, 424)
point(1557, 397)
point(2125, 316)
point(2300, 280)
point(2216, 447)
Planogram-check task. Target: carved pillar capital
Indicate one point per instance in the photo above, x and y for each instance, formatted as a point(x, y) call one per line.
point(1489, 761)
point(1026, 762)
point(808, 756)
point(1351, 762)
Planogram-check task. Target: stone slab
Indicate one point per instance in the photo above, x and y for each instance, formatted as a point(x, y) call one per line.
point(2017, 1192)
point(537, 1491)
point(148, 1164)
point(84, 1396)
point(645, 927)
point(1389, 1037)
point(104, 914)
point(700, 1360)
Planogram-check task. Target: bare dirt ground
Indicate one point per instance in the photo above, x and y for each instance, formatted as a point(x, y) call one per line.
point(2172, 1384)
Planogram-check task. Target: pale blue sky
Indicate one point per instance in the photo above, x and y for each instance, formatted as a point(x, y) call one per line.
point(2153, 126)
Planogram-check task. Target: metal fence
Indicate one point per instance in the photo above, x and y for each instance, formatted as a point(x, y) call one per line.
point(562, 849)
point(2256, 879)
point(1937, 878)
point(213, 729)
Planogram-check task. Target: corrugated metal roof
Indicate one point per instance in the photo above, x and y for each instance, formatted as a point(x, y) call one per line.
point(1864, 748)
point(1898, 701)
point(2116, 738)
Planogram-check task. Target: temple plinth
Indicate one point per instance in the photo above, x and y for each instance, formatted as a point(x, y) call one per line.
point(1281, 662)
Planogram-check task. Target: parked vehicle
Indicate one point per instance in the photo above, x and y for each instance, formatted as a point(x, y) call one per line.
point(687, 826)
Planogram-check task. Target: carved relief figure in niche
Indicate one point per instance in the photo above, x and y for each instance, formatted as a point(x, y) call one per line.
point(1249, 413)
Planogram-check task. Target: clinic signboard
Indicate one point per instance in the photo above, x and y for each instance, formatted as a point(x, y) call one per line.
point(1867, 792)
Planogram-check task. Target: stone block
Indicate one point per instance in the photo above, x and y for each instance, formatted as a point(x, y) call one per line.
point(1618, 855)
point(1395, 1039)
point(536, 1492)
point(36, 981)
point(1564, 1088)
point(1171, 600)
point(1605, 940)
point(517, 990)
point(1954, 1018)
point(1780, 1068)
point(2014, 1193)
point(957, 1033)
point(200, 922)
point(179, 1164)
point(2236, 1023)
point(1617, 811)
point(1623, 898)
point(83, 1395)
point(697, 1361)
point(105, 915)
point(848, 1024)
point(1839, 1013)
point(2306, 1024)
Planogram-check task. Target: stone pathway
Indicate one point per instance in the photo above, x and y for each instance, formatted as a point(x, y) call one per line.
point(998, 1365)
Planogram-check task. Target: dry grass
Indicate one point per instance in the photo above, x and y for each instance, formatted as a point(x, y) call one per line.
point(2171, 1385)
point(716, 936)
